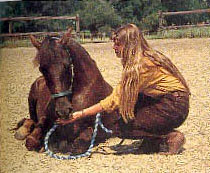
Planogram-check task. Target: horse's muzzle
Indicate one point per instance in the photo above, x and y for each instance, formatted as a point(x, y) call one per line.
point(64, 114)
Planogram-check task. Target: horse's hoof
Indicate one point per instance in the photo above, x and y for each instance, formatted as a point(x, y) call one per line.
point(32, 143)
point(33, 140)
point(22, 133)
point(24, 130)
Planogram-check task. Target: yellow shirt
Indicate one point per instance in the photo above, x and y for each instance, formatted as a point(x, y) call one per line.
point(154, 81)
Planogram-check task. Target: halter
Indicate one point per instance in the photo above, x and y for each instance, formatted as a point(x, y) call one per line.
point(69, 91)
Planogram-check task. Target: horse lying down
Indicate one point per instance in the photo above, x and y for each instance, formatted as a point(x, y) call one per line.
point(71, 81)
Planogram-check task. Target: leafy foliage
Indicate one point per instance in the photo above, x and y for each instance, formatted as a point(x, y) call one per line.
point(100, 15)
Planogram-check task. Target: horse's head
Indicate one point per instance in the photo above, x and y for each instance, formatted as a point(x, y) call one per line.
point(56, 65)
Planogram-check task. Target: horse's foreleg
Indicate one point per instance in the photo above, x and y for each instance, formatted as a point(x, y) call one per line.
point(32, 129)
point(25, 126)
point(33, 141)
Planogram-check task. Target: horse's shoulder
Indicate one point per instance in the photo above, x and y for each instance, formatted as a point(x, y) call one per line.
point(39, 83)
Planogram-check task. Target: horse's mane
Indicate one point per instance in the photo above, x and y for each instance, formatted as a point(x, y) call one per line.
point(82, 61)
point(79, 54)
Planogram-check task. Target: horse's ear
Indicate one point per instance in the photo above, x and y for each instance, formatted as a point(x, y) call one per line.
point(35, 42)
point(69, 31)
point(66, 36)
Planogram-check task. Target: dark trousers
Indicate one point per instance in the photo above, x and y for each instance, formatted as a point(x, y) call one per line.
point(158, 115)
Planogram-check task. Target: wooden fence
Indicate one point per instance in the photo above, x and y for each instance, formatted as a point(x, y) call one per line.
point(12, 19)
point(83, 36)
point(162, 15)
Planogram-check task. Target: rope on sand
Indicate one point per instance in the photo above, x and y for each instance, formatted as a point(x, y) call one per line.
point(87, 153)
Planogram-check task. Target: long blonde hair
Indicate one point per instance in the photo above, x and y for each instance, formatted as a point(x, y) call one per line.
point(134, 47)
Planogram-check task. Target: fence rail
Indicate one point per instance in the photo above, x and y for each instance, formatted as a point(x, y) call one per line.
point(186, 12)
point(38, 18)
point(163, 14)
point(12, 19)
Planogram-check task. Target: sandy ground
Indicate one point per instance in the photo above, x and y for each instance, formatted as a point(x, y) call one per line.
point(192, 57)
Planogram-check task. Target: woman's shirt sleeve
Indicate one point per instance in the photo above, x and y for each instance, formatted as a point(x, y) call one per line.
point(111, 102)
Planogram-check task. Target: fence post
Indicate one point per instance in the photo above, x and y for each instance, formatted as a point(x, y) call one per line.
point(10, 27)
point(160, 14)
point(77, 24)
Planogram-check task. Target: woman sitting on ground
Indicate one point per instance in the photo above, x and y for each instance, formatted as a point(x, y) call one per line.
point(152, 95)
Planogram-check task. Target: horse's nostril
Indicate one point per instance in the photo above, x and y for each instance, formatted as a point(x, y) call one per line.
point(64, 113)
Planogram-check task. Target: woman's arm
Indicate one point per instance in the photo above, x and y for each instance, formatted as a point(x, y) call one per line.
point(109, 104)
point(88, 112)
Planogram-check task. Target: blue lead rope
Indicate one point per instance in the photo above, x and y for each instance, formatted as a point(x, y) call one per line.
point(87, 153)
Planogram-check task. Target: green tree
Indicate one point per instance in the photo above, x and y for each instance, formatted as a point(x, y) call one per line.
point(131, 11)
point(144, 13)
point(98, 15)
point(12, 9)
point(149, 20)
point(50, 8)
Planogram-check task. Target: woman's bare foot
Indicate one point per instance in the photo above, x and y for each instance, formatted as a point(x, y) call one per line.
point(175, 141)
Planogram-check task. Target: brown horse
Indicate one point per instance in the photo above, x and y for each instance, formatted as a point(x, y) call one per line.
point(71, 81)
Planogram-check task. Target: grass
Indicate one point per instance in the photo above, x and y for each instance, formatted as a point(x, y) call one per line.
point(11, 43)
point(16, 43)
point(196, 32)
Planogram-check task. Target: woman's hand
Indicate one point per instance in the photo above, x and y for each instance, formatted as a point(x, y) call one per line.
point(87, 112)
point(77, 115)
point(62, 121)
point(74, 117)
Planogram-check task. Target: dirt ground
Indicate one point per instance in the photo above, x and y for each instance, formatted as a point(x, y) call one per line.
point(191, 56)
